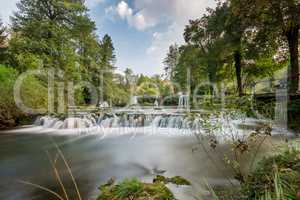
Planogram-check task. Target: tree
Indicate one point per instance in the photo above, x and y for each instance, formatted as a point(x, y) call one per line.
point(234, 29)
point(45, 30)
point(191, 63)
point(128, 77)
point(279, 19)
point(2, 40)
point(108, 60)
point(206, 34)
point(108, 55)
point(171, 61)
point(60, 34)
point(2, 33)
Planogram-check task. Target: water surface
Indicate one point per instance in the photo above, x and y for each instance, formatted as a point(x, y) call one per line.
point(24, 156)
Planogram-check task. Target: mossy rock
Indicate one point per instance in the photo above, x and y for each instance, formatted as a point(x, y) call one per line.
point(135, 190)
point(160, 179)
point(177, 180)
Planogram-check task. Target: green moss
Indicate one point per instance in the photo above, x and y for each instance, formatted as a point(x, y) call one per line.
point(135, 190)
point(177, 180)
point(160, 179)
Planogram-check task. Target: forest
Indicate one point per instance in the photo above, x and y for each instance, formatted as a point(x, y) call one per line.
point(239, 43)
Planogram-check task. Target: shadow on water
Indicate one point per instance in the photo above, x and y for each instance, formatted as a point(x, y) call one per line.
point(94, 160)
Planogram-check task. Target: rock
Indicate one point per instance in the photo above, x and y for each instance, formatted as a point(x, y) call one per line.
point(159, 171)
point(160, 179)
point(135, 190)
point(177, 180)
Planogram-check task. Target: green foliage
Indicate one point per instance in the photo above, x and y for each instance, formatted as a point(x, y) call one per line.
point(135, 190)
point(153, 87)
point(276, 24)
point(276, 177)
point(33, 95)
point(206, 35)
point(7, 77)
point(171, 61)
point(177, 180)
point(233, 45)
point(243, 104)
point(128, 188)
point(189, 64)
point(45, 30)
point(2, 41)
point(2, 33)
point(59, 34)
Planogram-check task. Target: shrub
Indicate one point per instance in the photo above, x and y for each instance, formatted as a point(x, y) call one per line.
point(276, 177)
point(33, 93)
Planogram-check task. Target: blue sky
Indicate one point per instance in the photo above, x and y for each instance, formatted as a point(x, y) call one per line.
point(142, 30)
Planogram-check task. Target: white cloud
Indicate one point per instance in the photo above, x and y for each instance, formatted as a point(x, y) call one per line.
point(123, 10)
point(146, 14)
point(109, 9)
point(137, 20)
point(161, 41)
point(175, 14)
point(178, 12)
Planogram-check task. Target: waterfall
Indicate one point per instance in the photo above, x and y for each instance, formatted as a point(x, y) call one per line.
point(115, 121)
point(108, 121)
point(68, 123)
point(134, 100)
point(183, 102)
point(219, 125)
point(281, 108)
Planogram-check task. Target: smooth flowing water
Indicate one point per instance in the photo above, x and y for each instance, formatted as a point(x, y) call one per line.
point(105, 147)
point(93, 160)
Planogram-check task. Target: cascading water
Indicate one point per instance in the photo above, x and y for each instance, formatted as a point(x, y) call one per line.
point(114, 121)
point(68, 123)
point(222, 126)
point(281, 107)
point(183, 102)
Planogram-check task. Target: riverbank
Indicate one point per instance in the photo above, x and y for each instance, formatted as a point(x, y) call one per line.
point(10, 122)
point(275, 176)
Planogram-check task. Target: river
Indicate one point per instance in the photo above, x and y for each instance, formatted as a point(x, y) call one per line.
point(25, 155)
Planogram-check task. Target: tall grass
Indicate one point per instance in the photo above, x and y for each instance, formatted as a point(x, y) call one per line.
point(281, 190)
point(53, 162)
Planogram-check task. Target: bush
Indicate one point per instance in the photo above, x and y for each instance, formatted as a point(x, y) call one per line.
point(33, 92)
point(276, 177)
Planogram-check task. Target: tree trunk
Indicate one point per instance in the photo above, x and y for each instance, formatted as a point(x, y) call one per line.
point(238, 71)
point(293, 74)
point(212, 70)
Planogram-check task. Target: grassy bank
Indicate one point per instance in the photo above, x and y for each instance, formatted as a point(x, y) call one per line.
point(275, 177)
